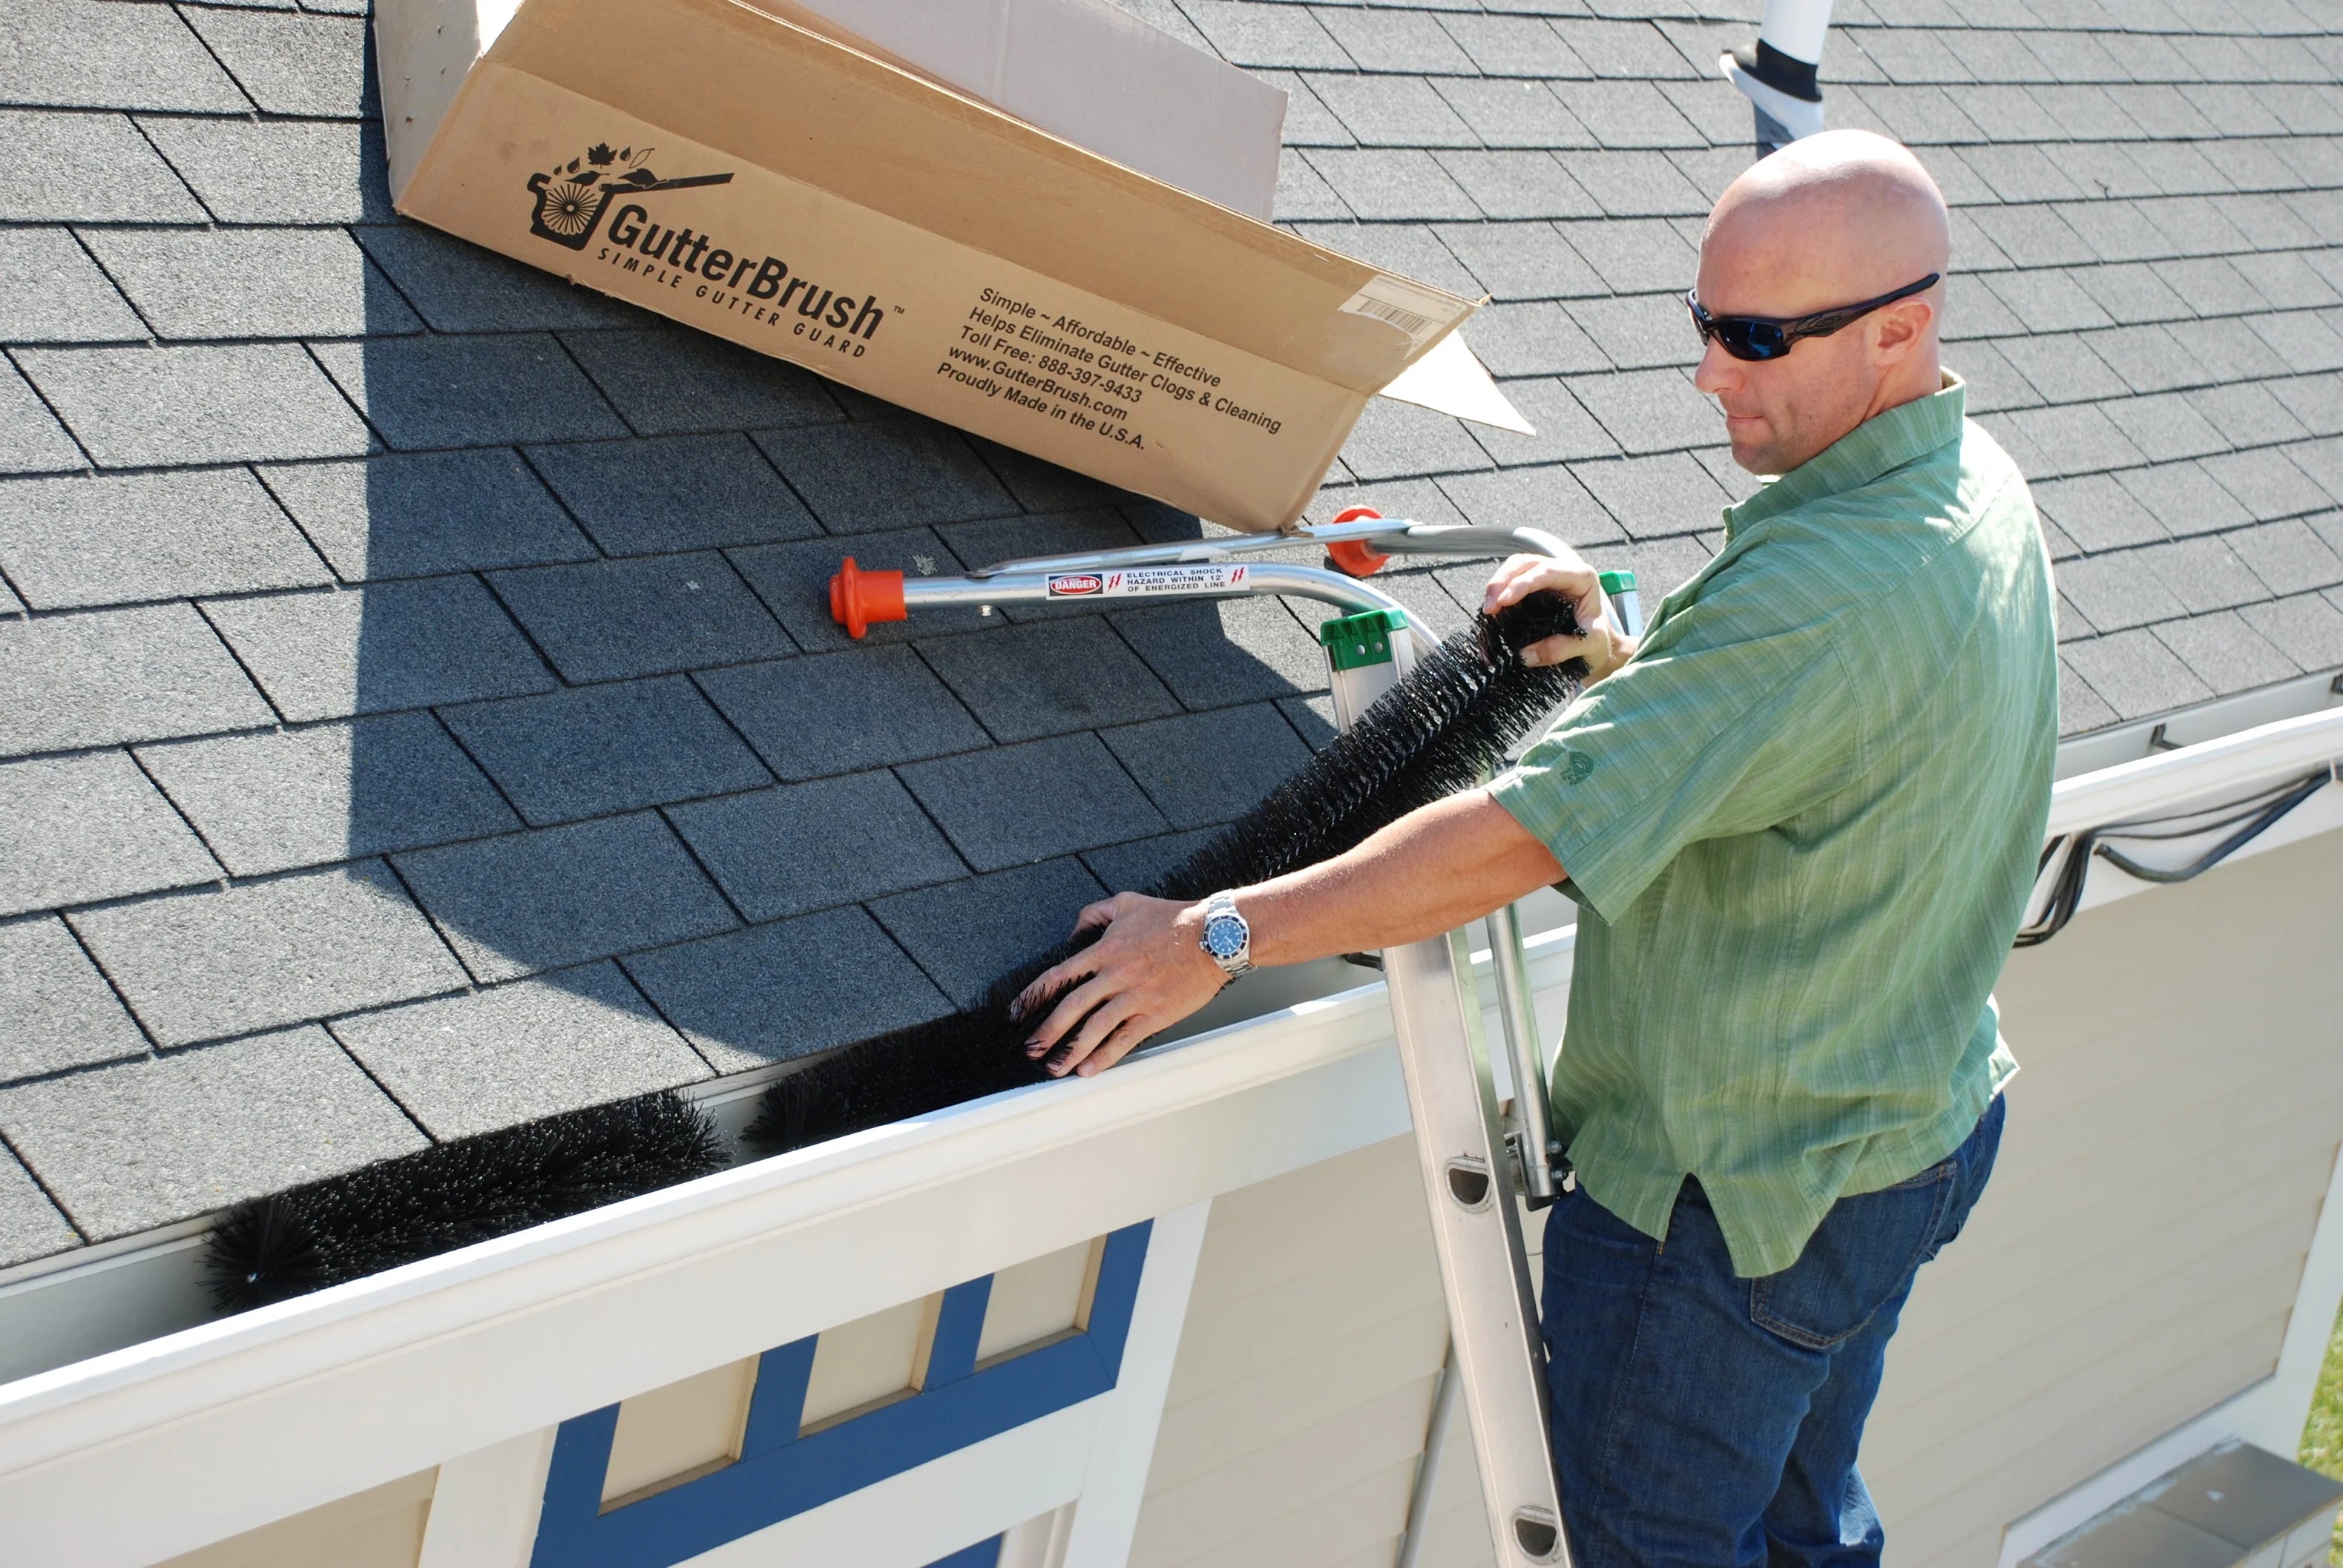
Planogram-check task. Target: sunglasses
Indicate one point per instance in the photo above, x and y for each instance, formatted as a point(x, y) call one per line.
point(1769, 337)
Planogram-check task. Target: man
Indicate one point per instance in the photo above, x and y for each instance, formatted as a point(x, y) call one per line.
point(1801, 822)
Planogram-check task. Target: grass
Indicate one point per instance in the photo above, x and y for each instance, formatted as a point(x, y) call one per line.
point(2322, 1436)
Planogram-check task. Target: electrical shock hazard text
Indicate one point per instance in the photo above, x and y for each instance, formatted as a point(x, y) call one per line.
point(1138, 582)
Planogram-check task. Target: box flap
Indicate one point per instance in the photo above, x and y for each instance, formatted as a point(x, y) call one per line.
point(423, 50)
point(1086, 72)
point(1451, 379)
point(737, 79)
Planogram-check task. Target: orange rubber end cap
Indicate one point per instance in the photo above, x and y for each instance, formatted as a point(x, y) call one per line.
point(858, 598)
point(1356, 558)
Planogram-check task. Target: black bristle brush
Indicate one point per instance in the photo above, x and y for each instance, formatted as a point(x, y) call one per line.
point(1439, 731)
point(397, 1210)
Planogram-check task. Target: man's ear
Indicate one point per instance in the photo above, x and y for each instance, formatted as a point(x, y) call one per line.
point(1900, 327)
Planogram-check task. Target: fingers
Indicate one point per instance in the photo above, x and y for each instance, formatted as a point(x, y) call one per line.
point(1559, 651)
point(1141, 974)
point(1068, 1011)
point(1072, 1053)
point(1101, 913)
point(1034, 993)
point(1126, 1038)
point(1051, 981)
point(1024, 1000)
point(1522, 576)
point(1510, 582)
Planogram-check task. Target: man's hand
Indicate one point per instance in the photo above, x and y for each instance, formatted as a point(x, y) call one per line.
point(1604, 646)
point(1144, 974)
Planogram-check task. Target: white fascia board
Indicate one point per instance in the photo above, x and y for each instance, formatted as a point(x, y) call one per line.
point(223, 1427)
point(2193, 777)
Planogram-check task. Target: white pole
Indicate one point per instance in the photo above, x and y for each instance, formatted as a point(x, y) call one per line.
point(1796, 27)
point(1427, 1469)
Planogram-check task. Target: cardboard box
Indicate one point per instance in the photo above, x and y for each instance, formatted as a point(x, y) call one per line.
point(777, 186)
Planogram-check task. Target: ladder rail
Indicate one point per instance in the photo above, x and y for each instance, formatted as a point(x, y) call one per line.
point(1538, 1150)
point(1496, 1354)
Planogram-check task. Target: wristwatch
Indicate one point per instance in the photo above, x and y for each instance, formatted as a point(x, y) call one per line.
point(1227, 939)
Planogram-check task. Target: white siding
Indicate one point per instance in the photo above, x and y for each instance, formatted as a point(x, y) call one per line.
point(1304, 1378)
point(2136, 1259)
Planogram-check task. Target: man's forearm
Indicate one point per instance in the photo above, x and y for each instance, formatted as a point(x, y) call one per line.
point(1429, 873)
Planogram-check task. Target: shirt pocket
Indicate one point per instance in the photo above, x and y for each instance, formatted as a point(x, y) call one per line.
point(1861, 1258)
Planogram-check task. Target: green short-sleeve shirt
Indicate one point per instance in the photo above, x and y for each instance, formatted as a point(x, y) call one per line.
point(1801, 824)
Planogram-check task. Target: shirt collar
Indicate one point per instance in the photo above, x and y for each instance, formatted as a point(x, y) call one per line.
point(1880, 444)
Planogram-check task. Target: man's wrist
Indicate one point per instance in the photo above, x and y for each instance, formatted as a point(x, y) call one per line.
point(1187, 928)
point(1622, 649)
point(1226, 938)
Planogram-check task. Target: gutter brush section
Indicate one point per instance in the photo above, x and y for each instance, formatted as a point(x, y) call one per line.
point(1439, 731)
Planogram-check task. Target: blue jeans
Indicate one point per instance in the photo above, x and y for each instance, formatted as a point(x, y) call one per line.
point(1706, 1421)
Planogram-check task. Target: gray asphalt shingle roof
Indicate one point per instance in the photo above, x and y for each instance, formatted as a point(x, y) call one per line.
point(418, 711)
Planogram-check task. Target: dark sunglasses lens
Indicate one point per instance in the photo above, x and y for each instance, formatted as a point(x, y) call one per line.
point(1747, 339)
point(1739, 335)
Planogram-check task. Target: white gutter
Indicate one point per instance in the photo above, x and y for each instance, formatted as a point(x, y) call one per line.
point(224, 1426)
point(2287, 749)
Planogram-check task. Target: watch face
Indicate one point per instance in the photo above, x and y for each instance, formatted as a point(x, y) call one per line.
point(1224, 936)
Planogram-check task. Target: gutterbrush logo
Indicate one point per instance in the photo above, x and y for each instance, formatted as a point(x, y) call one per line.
point(571, 200)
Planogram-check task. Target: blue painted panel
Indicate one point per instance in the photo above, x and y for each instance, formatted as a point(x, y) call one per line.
point(778, 1400)
point(983, 1554)
point(958, 1322)
point(780, 1474)
point(581, 1453)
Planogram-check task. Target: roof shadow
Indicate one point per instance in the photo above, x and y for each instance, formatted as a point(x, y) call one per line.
point(603, 741)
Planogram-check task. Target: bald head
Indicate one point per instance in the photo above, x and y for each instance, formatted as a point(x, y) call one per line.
point(1836, 217)
point(1833, 220)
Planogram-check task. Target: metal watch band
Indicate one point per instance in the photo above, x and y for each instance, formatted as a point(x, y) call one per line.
point(1219, 908)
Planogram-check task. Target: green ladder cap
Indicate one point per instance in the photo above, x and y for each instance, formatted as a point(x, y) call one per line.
point(1355, 641)
point(1614, 582)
